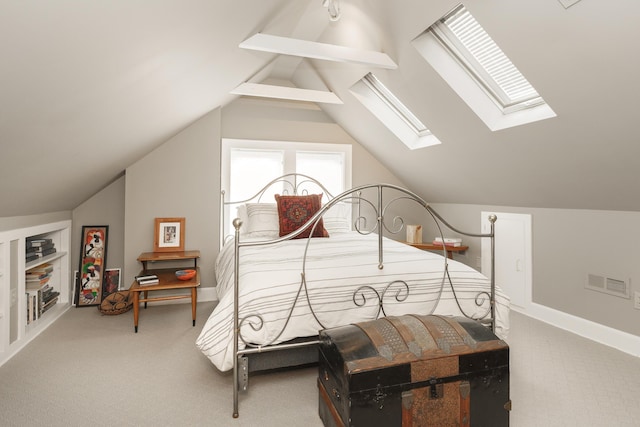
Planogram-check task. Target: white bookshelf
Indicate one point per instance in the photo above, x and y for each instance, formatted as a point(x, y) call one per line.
point(15, 330)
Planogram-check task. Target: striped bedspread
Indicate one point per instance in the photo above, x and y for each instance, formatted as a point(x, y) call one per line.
point(271, 288)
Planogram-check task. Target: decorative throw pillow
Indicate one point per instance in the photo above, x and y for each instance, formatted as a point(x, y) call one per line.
point(295, 211)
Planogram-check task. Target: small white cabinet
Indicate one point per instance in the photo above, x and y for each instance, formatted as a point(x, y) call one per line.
point(16, 330)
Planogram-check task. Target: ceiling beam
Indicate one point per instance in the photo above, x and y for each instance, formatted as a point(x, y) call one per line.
point(284, 92)
point(324, 51)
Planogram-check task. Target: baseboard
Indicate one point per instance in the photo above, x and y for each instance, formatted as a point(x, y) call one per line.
point(606, 335)
point(207, 294)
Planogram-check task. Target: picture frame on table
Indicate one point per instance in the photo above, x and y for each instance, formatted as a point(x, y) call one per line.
point(91, 269)
point(169, 235)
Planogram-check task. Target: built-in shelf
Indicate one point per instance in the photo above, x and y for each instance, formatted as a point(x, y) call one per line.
point(48, 258)
point(17, 328)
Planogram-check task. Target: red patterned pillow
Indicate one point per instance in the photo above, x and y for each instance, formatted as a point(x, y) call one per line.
point(294, 211)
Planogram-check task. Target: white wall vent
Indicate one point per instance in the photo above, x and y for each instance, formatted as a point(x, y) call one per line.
point(607, 285)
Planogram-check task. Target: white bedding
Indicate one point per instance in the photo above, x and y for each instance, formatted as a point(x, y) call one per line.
point(270, 277)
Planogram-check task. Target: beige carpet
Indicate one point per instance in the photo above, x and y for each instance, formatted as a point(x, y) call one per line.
point(92, 370)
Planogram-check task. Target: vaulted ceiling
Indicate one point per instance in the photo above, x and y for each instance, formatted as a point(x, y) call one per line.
point(89, 87)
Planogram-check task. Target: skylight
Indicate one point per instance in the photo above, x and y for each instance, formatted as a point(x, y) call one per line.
point(394, 104)
point(383, 104)
point(464, 52)
point(471, 45)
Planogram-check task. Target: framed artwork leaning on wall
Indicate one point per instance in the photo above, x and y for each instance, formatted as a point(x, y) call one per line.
point(93, 261)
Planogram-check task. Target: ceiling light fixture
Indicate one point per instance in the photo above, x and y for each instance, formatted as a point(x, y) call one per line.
point(333, 7)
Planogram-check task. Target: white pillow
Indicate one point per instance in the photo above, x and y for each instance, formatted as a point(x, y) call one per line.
point(241, 212)
point(337, 219)
point(262, 220)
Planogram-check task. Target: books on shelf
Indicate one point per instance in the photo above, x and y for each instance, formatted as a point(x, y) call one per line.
point(37, 242)
point(38, 276)
point(147, 279)
point(37, 282)
point(41, 269)
point(39, 301)
point(448, 241)
point(38, 248)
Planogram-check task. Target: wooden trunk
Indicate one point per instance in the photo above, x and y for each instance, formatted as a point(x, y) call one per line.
point(413, 371)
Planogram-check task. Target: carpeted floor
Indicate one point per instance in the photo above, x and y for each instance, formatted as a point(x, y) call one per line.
point(92, 370)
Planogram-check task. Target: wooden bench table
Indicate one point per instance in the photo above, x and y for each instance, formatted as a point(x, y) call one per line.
point(167, 281)
point(439, 248)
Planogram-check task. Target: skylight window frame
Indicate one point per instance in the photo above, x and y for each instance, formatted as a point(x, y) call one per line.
point(392, 113)
point(395, 105)
point(460, 52)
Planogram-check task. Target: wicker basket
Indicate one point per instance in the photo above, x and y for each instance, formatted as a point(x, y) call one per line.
point(116, 303)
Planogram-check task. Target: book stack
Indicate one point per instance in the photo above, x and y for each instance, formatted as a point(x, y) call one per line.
point(39, 276)
point(39, 300)
point(147, 279)
point(448, 241)
point(48, 298)
point(38, 248)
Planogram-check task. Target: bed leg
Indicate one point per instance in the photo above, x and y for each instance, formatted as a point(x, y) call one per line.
point(243, 373)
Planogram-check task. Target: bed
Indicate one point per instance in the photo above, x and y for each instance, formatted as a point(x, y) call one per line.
point(279, 283)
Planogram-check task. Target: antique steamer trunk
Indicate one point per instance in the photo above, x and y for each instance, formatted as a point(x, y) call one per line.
point(413, 371)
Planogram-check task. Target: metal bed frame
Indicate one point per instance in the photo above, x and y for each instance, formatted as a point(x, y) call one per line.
point(304, 350)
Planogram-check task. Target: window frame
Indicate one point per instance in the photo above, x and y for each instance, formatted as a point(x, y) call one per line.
point(392, 113)
point(289, 148)
point(459, 50)
point(451, 67)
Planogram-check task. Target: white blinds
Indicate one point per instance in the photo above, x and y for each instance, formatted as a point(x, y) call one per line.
point(471, 44)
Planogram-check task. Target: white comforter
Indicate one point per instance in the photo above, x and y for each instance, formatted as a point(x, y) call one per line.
point(270, 278)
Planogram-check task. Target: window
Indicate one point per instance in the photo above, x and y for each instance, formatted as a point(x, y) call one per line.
point(462, 52)
point(248, 165)
point(395, 105)
point(383, 104)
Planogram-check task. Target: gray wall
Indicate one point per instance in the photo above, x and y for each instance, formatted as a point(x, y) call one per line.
point(249, 118)
point(104, 208)
point(567, 245)
point(180, 178)
point(15, 222)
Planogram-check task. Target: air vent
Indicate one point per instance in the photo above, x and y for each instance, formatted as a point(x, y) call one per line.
point(607, 285)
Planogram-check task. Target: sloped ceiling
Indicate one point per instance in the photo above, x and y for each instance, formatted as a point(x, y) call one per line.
point(89, 87)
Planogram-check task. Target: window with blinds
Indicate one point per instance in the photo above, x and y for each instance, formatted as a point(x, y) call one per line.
point(474, 49)
point(248, 165)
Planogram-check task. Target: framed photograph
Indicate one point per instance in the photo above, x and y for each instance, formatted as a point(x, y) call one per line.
point(91, 270)
point(169, 235)
point(111, 281)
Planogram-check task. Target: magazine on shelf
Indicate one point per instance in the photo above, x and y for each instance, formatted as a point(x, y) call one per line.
point(448, 241)
point(148, 282)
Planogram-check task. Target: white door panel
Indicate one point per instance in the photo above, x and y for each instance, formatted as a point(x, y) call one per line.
point(513, 264)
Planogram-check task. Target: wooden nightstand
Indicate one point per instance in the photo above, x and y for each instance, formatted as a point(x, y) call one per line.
point(432, 247)
point(167, 280)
